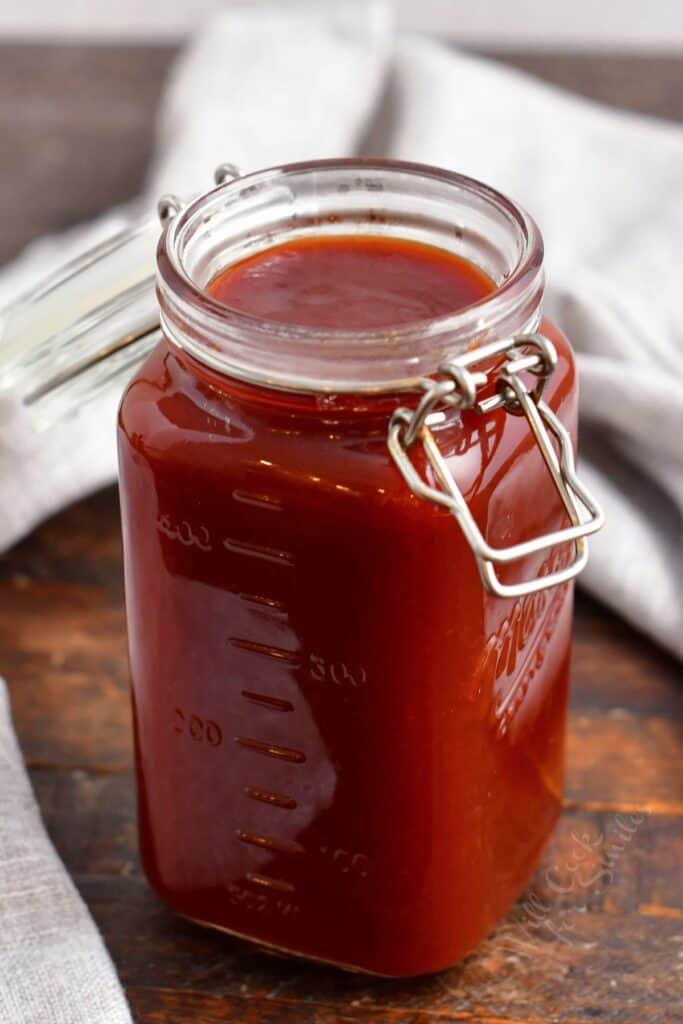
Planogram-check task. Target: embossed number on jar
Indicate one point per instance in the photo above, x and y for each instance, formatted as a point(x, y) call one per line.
point(199, 729)
point(324, 670)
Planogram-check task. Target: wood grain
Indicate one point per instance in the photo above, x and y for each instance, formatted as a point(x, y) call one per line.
point(553, 970)
point(598, 936)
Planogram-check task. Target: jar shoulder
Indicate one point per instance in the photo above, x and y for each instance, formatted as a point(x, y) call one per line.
point(175, 422)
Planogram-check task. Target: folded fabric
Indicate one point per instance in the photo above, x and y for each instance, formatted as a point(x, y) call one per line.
point(273, 83)
point(54, 968)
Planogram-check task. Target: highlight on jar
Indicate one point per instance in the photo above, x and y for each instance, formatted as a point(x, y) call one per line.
point(351, 523)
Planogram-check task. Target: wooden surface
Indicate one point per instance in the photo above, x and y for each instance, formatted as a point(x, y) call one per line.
point(599, 934)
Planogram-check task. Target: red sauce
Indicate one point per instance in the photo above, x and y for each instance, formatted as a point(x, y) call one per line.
point(345, 748)
point(351, 282)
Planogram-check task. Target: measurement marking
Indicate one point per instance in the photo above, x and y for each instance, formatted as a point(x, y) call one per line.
point(279, 653)
point(241, 547)
point(270, 842)
point(270, 883)
point(259, 500)
point(267, 797)
point(271, 749)
point(266, 602)
point(269, 702)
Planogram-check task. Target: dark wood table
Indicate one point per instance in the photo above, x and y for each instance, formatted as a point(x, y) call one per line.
point(599, 934)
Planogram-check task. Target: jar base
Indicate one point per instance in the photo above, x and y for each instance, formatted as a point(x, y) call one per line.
point(270, 949)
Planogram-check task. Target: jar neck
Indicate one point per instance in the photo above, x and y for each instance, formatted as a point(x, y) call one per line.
point(329, 408)
point(330, 198)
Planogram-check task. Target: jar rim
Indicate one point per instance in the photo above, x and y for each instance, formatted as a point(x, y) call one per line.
point(188, 311)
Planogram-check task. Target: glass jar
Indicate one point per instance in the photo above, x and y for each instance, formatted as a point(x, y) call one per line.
point(349, 712)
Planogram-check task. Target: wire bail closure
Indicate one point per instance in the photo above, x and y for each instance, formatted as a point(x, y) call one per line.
point(458, 386)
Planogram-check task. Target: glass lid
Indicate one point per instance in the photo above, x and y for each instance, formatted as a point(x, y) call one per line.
point(87, 324)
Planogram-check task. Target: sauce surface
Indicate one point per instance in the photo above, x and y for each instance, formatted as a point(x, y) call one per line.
point(351, 281)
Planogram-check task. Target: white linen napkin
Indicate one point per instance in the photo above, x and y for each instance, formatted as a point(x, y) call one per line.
point(262, 85)
point(54, 968)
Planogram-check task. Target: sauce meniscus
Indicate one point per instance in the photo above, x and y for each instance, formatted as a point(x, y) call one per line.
point(351, 282)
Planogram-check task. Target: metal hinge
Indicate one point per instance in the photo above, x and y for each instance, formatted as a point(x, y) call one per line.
point(458, 386)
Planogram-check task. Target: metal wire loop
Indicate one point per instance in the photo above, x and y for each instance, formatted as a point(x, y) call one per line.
point(167, 207)
point(541, 363)
point(226, 172)
point(459, 388)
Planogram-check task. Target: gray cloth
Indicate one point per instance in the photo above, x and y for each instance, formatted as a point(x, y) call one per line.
point(54, 968)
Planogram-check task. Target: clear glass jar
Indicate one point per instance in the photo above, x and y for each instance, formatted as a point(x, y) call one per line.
point(347, 747)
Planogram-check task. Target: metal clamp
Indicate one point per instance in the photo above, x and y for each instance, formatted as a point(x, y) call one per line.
point(458, 386)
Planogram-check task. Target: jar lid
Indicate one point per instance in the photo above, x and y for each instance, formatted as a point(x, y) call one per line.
point(83, 327)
